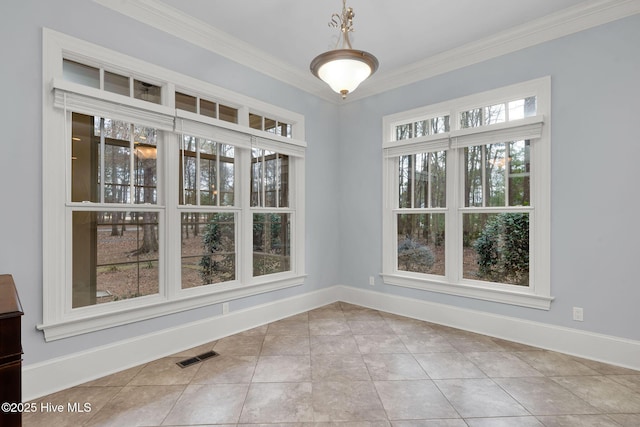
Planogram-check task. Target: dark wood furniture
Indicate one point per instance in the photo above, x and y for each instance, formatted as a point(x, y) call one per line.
point(10, 353)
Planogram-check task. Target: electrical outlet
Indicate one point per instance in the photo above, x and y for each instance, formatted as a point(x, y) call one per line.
point(578, 314)
point(372, 281)
point(225, 307)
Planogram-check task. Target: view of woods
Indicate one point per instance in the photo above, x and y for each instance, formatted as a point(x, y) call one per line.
point(116, 250)
point(496, 177)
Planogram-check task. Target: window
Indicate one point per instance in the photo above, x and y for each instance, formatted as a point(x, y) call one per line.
point(159, 200)
point(466, 201)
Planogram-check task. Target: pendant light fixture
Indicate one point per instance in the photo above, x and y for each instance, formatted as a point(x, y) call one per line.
point(345, 68)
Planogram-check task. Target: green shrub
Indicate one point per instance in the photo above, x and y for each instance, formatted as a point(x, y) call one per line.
point(415, 256)
point(503, 249)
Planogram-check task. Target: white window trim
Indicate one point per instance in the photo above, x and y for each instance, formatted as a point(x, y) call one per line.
point(538, 294)
point(59, 321)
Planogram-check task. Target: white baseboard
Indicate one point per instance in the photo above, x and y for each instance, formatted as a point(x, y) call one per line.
point(40, 379)
point(589, 345)
point(53, 375)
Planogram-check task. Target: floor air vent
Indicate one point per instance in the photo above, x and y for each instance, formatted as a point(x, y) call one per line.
point(199, 358)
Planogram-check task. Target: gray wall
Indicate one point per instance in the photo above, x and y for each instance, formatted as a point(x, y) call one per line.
point(595, 149)
point(21, 23)
point(594, 207)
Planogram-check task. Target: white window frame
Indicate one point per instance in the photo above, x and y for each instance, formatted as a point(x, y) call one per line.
point(61, 97)
point(538, 293)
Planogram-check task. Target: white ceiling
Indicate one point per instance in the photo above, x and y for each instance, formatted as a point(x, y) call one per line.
point(397, 32)
point(412, 39)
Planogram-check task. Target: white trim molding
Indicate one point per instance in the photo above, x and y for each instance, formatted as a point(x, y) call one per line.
point(565, 22)
point(40, 379)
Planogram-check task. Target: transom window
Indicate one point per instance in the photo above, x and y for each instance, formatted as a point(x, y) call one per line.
point(467, 208)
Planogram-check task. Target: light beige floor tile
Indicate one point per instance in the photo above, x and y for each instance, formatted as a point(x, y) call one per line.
point(452, 422)
point(138, 406)
point(278, 403)
point(226, 369)
point(368, 327)
point(504, 422)
point(338, 367)
point(474, 343)
point(380, 344)
point(579, 420)
point(208, 404)
point(296, 325)
point(426, 343)
point(71, 407)
point(543, 396)
point(630, 381)
point(479, 398)
point(333, 344)
point(419, 399)
point(240, 345)
point(626, 420)
point(448, 366)
point(603, 393)
point(554, 364)
point(406, 326)
point(285, 345)
point(502, 364)
point(165, 372)
point(326, 326)
point(346, 401)
point(390, 367)
point(282, 369)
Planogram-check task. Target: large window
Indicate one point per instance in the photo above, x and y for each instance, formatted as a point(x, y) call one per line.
point(158, 200)
point(467, 196)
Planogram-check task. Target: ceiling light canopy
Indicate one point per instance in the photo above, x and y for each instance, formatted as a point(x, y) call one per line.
point(344, 69)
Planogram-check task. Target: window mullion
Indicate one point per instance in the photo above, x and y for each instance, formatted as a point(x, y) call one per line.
point(196, 183)
point(102, 150)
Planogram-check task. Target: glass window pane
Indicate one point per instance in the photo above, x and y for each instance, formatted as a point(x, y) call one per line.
point(522, 108)
point(255, 121)
point(438, 177)
point(495, 174)
point(208, 108)
point(439, 125)
point(473, 176)
point(228, 114)
point(226, 187)
point(116, 83)
point(269, 179)
point(494, 114)
point(471, 118)
point(270, 125)
point(519, 173)
point(147, 92)
point(208, 248)
point(115, 256)
point(405, 181)
point(208, 172)
point(79, 73)
point(186, 102)
point(404, 131)
point(145, 164)
point(187, 184)
point(421, 240)
point(422, 128)
point(271, 243)
point(421, 181)
point(496, 247)
point(84, 160)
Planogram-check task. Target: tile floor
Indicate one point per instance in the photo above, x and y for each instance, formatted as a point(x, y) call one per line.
point(351, 366)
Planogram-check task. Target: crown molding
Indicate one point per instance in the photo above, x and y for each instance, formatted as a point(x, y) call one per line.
point(586, 15)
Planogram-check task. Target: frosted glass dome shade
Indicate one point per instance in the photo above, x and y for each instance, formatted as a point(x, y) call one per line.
point(344, 69)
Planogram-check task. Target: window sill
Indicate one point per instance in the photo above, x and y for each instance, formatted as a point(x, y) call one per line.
point(486, 293)
point(94, 322)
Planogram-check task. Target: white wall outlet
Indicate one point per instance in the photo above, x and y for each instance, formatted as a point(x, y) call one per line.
point(578, 314)
point(372, 281)
point(225, 307)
